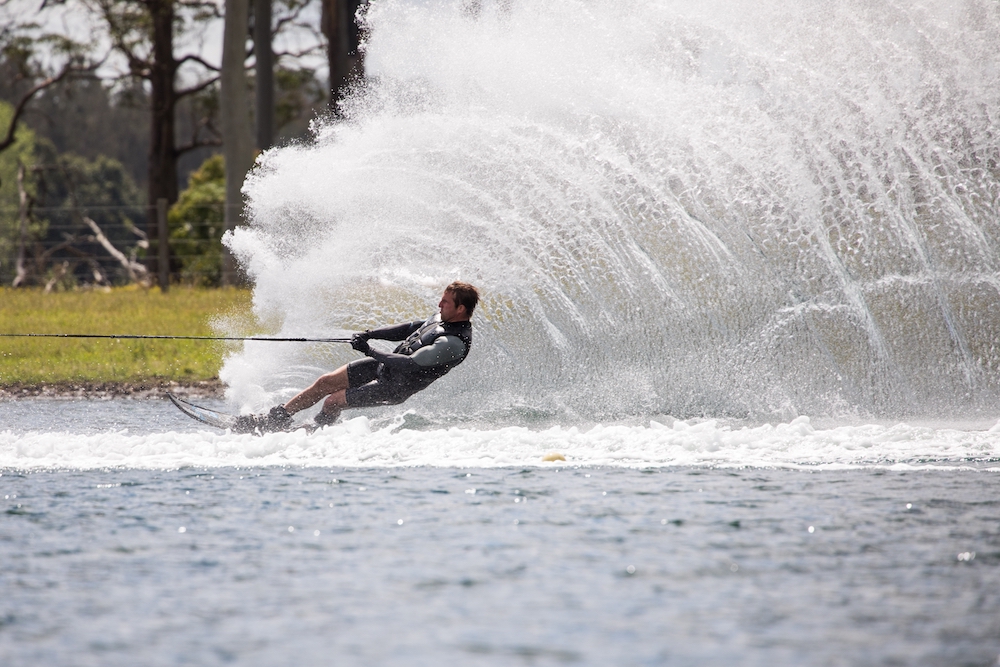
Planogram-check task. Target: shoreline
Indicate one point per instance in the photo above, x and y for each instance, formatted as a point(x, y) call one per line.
point(91, 390)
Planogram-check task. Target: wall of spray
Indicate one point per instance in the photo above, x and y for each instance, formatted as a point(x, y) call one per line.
point(731, 209)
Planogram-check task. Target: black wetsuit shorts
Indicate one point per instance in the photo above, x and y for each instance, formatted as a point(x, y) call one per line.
point(365, 388)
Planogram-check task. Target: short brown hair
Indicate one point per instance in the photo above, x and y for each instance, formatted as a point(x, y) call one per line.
point(464, 295)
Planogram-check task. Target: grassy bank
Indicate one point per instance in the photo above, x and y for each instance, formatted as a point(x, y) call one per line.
point(189, 312)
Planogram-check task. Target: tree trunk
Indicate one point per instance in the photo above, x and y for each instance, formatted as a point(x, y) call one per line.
point(237, 136)
point(163, 99)
point(339, 25)
point(264, 106)
point(22, 239)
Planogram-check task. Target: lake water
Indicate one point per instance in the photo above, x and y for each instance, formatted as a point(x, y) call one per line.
point(130, 535)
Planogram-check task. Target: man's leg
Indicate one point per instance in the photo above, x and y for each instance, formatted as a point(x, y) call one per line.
point(332, 406)
point(279, 418)
point(325, 385)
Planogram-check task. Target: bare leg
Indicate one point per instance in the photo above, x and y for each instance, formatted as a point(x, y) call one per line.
point(325, 385)
point(332, 406)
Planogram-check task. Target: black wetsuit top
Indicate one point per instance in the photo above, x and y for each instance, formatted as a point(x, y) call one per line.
point(428, 351)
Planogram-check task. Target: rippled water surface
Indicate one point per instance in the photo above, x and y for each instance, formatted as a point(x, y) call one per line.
point(282, 565)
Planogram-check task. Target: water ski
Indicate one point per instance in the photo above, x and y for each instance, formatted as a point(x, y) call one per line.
point(204, 415)
point(220, 419)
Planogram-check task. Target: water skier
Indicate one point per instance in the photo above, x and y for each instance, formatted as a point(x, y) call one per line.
point(428, 350)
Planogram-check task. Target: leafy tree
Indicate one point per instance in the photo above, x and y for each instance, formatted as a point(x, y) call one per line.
point(79, 208)
point(88, 117)
point(31, 61)
point(59, 190)
point(196, 224)
point(20, 153)
point(143, 32)
point(100, 189)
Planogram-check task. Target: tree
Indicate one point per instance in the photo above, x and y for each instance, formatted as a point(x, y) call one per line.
point(63, 210)
point(13, 227)
point(236, 132)
point(29, 72)
point(87, 210)
point(339, 23)
point(196, 224)
point(264, 70)
point(299, 94)
point(85, 116)
point(143, 31)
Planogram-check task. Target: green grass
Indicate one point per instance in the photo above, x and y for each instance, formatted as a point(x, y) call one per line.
point(188, 312)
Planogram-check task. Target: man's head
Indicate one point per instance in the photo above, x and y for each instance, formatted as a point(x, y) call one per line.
point(458, 302)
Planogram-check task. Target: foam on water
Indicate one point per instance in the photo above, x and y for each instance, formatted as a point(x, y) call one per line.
point(665, 442)
point(692, 208)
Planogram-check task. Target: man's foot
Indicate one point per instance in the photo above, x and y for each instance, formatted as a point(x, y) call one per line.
point(325, 419)
point(277, 419)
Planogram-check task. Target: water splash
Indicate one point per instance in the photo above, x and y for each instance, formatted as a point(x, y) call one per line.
point(759, 209)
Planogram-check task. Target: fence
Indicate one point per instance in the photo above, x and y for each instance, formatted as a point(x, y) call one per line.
point(95, 245)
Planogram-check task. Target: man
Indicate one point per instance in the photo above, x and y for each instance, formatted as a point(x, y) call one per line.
point(428, 350)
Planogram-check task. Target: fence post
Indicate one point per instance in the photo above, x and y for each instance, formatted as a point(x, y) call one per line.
point(163, 250)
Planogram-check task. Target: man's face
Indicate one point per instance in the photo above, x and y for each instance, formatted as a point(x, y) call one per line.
point(449, 311)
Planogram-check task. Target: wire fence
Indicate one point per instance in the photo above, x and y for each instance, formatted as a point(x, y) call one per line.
point(68, 247)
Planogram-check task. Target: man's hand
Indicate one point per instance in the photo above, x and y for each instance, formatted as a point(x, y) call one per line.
point(359, 342)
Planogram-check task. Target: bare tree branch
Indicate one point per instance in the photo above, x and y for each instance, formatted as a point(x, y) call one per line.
point(67, 70)
point(191, 57)
point(196, 88)
point(299, 54)
point(134, 269)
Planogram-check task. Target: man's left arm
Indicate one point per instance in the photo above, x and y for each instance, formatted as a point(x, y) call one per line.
point(445, 349)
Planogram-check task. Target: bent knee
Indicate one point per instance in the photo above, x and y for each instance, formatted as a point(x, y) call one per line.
point(332, 382)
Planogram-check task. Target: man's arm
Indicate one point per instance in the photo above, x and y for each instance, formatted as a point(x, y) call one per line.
point(393, 332)
point(444, 350)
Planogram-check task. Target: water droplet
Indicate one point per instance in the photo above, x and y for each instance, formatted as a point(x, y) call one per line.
point(315, 533)
point(630, 569)
point(182, 529)
point(811, 529)
point(399, 523)
point(733, 567)
point(291, 529)
point(909, 506)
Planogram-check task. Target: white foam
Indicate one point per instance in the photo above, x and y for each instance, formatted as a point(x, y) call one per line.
point(356, 442)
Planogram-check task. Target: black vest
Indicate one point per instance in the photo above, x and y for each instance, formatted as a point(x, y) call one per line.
point(429, 332)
